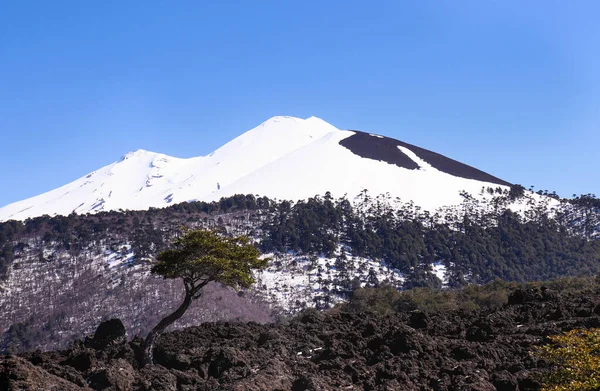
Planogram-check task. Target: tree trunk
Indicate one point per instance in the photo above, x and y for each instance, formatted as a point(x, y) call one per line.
point(148, 347)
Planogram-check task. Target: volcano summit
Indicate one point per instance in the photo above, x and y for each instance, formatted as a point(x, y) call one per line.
point(284, 157)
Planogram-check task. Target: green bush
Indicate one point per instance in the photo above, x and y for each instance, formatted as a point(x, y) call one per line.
point(387, 299)
point(575, 361)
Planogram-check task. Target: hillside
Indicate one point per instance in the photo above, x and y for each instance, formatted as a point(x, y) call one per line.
point(61, 276)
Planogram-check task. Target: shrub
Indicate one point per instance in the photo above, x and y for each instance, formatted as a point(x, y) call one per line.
point(575, 361)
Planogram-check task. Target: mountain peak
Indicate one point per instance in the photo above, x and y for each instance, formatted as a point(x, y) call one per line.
point(290, 120)
point(281, 120)
point(137, 153)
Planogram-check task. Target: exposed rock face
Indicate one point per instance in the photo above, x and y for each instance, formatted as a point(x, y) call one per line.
point(478, 351)
point(386, 149)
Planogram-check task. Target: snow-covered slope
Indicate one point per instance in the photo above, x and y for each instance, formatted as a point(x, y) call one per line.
point(284, 158)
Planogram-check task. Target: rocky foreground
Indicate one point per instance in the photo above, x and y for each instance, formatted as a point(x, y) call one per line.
point(478, 351)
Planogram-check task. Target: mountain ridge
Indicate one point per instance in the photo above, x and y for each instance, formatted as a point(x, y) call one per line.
point(284, 158)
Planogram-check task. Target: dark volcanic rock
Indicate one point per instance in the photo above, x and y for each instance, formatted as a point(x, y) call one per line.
point(484, 351)
point(523, 296)
point(108, 333)
point(118, 376)
point(386, 149)
point(505, 381)
point(17, 374)
point(156, 378)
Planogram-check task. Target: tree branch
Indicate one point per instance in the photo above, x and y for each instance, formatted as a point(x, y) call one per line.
point(197, 290)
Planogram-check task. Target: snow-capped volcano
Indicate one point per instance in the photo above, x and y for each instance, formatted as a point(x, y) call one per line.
point(284, 158)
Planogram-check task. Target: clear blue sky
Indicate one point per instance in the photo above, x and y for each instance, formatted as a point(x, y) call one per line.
point(511, 87)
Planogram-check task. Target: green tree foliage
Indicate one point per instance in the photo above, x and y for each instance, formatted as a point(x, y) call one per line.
point(383, 300)
point(308, 226)
point(516, 192)
point(575, 361)
point(8, 232)
point(199, 257)
point(386, 299)
point(476, 242)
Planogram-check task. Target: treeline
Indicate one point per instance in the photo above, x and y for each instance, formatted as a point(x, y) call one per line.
point(493, 295)
point(147, 231)
point(478, 241)
point(9, 232)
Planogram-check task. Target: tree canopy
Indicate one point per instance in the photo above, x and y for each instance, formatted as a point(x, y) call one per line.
point(201, 256)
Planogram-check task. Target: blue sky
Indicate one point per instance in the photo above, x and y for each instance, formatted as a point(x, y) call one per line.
point(511, 87)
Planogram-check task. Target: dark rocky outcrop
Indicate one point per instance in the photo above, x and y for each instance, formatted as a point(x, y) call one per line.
point(386, 149)
point(475, 351)
point(110, 332)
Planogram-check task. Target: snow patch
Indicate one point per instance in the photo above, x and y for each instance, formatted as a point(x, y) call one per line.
point(294, 282)
point(440, 272)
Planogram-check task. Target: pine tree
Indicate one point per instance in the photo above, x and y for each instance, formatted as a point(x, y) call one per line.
point(199, 257)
